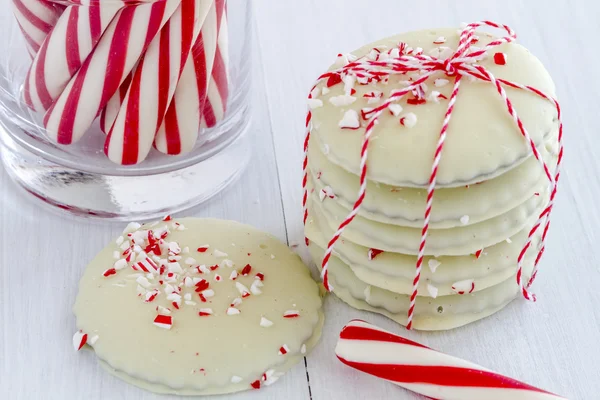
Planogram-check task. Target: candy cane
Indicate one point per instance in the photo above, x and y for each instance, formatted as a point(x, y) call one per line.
point(218, 88)
point(72, 40)
point(110, 112)
point(36, 18)
point(420, 369)
point(100, 76)
point(179, 130)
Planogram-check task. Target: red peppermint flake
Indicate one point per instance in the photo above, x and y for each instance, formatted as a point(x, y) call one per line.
point(260, 276)
point(205, 312)
point(500, 58)
point(214, 267)
point(202, 249)
point(283, 350)
point(246, 270)
point(167, 218)
point(163, 321)
point(536, 194)
point(175, 305)
point(164, 235)
point(333, 80)
point(109, 272)
point(264, 376)
point(79, 340)
point(162, 270)
point(202, 285)
point(373, 253)
point(151, 298)
point(245, 294)
point(441, 96)
point(352, 92)
point(415, 101)
point(478, 253)
point(291, 314)
point(255, 384)
point(202, 298)
point(319, 174)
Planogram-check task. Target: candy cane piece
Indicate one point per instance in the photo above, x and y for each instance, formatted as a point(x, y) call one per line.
point(179, 130)
point(153, 85)
point(218, 88)
point(420, 369)
point(36, 18)
point(72, 40)
point(100, 76)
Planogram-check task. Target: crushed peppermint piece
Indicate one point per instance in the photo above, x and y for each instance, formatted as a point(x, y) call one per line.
point(143, 281)
point(167, 218)
point(116, 255)
point(327, 191)
point(265, 323)
point(478, 253)
point(283, 350)
point(244, 291)
point(408, 120)
point(500, 58)
point(440, 82)
point(326, 149)
point(188, 282)
point(316, 92)
point(219, 254)
point(203, 249)
point(462, 287)
point(79, 340)
point(120, 240)
point(133, 226)
point(372, 253)
point(236, 302)
point(255, 287)
point(260, 276)
point(185, 250)
point(303, 349)
point(350, 120)
point(435, 96)
point(234, 275)
point(232, 311)
point(272, 256)
point(246, 270)
point(395, 109)
point(314, 103)
point(190, 303)
point(342, 100)
point(218, 278)
point(255, 384)
point(120, 264)
point(433, 265)
point(109, 272)
point(367, 293)
point(464, 219)
point(440, 40)
point(236, 379)
point(291, 314)
point(508, 241)
point(187, 296)
point(205, 312)
point(208, 293)
point(163, 321)
point(202, 285)
point(325, 90)
point(228, 263)
point(373, 97)
point(214, 267)
point(151, 295)
point(190, 261)
point(175, 267)
point(433, 291)
point(93, 340)
point(163, 310)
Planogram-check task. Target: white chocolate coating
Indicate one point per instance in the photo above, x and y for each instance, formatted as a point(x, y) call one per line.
point(483, 140)
point(213, 354)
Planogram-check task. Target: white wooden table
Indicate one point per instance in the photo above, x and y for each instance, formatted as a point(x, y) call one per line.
point(552, 344)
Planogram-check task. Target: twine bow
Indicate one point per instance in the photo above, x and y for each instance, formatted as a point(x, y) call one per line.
point(462, 63)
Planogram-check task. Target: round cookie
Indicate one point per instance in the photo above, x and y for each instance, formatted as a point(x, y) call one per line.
point(441, 313)
point(202, 306)
point(463, 240)
point(483, 141)
point(395, 272)
point(405, 206)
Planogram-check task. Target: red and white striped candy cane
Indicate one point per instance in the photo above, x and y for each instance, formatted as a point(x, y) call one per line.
point(36, 18)
point(218, 88)
point(422, 370)
point(103, 72)
point(153, 84)
point(110, 112)
point(72, 40)
point(179, 130)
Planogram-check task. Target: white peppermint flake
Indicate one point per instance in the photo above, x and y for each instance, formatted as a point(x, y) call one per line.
point(116, 255)
point(232, 311)
point(234, 275)
point(368, 293)
point(303, 349)
point(174, 267)
point(241, 288)
point(315, 103)
point(227, 263)
point(265, 323)
point(143, 281)
point(163, 310)
point(433, 291)
point(133, 226)
point(187, 296)
point(219, 253)
point(342, 100)
point(272, 256)
point(254, 288)
point(349, 81)
point(236, 379)
point(120, 264)
point(464, 219)
point(327, 191)
point(434, 96)
point(350, 120)
point(316, 92)
point(395, 109)
point(440, 40)
point(208, 293)
point(120, 240)
point(409, 120)
point(236, 302)
point(326, 149)
point(93, 340)
point(325, 90)
point(508, 241)
point(190, 261)
point(433, 265)
point(441, 82)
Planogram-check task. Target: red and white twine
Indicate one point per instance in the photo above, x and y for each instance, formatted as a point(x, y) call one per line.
point(462, 63)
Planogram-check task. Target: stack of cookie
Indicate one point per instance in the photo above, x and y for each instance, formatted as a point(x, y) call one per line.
point(489, 192)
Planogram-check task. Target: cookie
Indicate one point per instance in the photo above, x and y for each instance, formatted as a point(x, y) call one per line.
point(198, 306)
point(482, 139)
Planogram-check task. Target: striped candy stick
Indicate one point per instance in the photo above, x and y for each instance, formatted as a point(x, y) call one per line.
point(36, 18)
point(179, 130)
point(153, 84)
point(218, 88)
point(420, 369)
point(100, 76)
point(109, 113)
point(72, 40)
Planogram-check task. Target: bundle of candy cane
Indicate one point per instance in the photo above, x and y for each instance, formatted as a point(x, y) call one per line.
point(420, 369)
point(155, 72)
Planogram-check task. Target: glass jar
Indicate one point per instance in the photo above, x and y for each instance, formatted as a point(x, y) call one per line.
point(191, 124)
